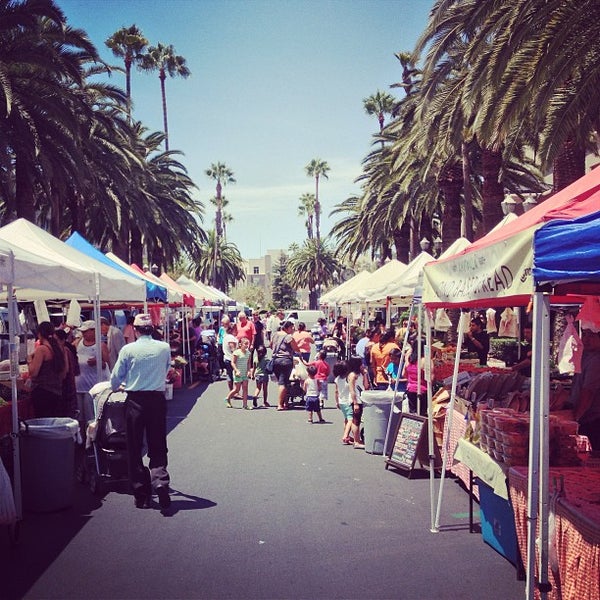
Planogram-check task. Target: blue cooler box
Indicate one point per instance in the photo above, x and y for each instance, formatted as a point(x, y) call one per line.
point(497, 522)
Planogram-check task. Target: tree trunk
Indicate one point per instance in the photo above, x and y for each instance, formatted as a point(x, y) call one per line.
point(128, 85)
point(568, 166)
point(467, 228)
point(23, 192)
point(402, 241)
point(120, 245)
point(162, 77)
point(136, 248)
point(317, 211)
point(493, 190)
point(219, 215)
point(450, 181)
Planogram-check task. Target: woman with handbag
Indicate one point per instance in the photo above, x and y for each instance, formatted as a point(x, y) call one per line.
point(284, 349)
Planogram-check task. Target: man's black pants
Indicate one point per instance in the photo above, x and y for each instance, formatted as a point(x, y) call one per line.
point(146, 412)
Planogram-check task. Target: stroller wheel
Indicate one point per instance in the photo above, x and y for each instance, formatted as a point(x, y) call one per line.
point(97, 486)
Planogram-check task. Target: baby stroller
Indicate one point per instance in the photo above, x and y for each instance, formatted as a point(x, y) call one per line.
point(206, 358)
point(106, 439)
point(295, 391)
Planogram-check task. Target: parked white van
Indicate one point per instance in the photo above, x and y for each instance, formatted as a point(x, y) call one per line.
point(309, 317)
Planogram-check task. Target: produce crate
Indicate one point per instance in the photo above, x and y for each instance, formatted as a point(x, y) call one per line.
point(497, 522)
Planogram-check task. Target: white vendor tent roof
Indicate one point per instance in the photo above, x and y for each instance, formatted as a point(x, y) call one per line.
point(112, 285)
point(202, 290)
point(332, 296)
point(404, 286)
point(36, 276)
point(376, 280)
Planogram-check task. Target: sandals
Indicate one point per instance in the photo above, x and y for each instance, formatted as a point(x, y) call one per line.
point(347, 441)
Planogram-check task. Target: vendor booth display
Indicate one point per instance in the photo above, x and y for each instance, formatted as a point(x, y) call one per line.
point(498, 270)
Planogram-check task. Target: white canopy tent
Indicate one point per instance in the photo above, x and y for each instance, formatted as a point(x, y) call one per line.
point(333, 296)
point(30, 276)
point(201, 290)
point(401, 290)
point(389, 271)
point(110, 284)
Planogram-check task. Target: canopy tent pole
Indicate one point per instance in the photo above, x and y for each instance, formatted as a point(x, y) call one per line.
point(97, 315)
point(539, 436)
point(419, 354)
point(431, 441)
point(400, 367)
point(14, 374)
point(449, 415)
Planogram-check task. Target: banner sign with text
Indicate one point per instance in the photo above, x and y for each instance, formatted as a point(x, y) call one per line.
point(487, 276)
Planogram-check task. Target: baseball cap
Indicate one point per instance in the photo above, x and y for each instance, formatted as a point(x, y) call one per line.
point(87, 325)
point(142, 320)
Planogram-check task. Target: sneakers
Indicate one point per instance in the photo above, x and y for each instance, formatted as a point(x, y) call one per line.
point(164, 500)
point(248, 407)
point(228, 404)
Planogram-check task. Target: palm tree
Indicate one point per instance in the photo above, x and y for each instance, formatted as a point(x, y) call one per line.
point(128, 43)
point(317, 168)
point(379, 104)
point(41, 69)
point(312, 266)
point(223, 267)
point(163, 59)
point(223, 175)
point(306, 208)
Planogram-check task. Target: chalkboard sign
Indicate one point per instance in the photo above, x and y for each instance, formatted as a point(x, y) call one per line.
point(409, 442)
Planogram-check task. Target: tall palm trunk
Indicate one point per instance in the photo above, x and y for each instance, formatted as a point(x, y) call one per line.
point(493, 190)
point(317, 210)
point(23, 191)
point(128, 62)
point(162, 76)
point(568, 166)
point(136, 248)
point(467, 225)
point(451, 184)
point(120, 244)
point(219, 213)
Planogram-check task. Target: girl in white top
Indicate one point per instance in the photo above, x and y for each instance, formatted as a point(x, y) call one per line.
point(311, 388)
point(343, 400)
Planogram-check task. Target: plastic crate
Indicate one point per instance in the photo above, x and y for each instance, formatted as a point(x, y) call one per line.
point(497, 522)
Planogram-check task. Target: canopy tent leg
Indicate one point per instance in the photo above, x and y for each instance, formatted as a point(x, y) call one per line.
point(449, 415)
point(400, 367)
point(539, 436)
point(431, 441)
point(14, 373)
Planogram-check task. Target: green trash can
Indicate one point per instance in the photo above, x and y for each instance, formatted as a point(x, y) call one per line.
point(47, 463)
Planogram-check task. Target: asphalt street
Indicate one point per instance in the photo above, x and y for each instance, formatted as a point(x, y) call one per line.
point(264, 505)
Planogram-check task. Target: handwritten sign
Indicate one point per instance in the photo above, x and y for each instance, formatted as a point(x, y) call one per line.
point(408, 442)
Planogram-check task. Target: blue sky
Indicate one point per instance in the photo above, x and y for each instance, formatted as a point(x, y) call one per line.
point(274, 84)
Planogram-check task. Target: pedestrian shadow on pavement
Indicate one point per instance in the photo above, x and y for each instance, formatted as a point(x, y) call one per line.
point(181, 501)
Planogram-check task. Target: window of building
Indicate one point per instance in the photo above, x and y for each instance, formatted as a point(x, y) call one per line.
point(256, 270)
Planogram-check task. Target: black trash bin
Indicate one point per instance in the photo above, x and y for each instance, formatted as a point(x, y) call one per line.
point(47, 463)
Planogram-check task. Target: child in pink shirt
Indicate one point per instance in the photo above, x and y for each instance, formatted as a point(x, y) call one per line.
point(321, 375)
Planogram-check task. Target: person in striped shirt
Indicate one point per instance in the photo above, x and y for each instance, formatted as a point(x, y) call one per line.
point(239, 364)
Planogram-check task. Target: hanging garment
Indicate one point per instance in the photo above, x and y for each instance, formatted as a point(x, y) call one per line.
point(509, 325)
point(570, 349)
point(490, 320)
